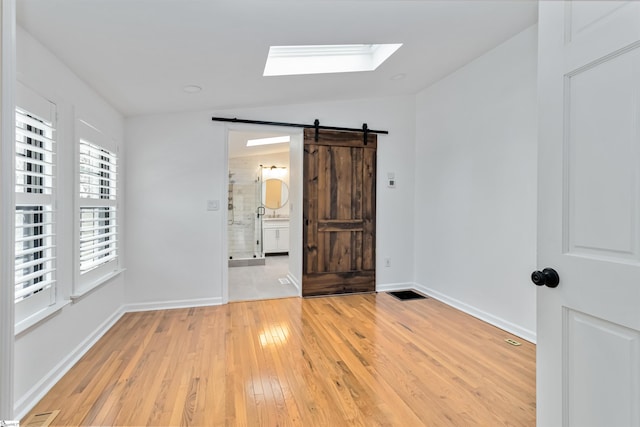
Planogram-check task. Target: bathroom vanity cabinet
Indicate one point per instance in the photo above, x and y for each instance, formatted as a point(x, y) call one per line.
point(276, 235)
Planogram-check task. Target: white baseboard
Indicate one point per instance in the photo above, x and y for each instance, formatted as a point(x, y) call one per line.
point(482, 315)
point(386, 287)
point(295, 283)
point(25, 403)
point(168, 305)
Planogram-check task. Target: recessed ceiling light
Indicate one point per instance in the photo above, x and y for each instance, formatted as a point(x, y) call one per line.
point(320, 59)
point(192, 89)
point(266, 141)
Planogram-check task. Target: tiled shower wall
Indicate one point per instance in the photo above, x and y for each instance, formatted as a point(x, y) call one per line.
point(241, 216)
point(242, 228)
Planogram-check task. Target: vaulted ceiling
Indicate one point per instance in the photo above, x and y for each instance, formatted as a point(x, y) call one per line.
point(139, 54)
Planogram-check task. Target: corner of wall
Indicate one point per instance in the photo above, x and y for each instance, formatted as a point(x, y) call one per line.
point(170, 305)
point(476, 185)
point(24, 403)
point(496, 321)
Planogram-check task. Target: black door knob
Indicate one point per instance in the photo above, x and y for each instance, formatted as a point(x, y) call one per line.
point(547, 277)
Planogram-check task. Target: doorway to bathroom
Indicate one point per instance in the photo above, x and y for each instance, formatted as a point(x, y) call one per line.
point(258, 216)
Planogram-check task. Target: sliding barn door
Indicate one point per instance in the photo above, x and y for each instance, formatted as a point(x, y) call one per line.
point(339, 213)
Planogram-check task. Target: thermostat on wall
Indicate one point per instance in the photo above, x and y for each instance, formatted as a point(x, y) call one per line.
point(391, 180)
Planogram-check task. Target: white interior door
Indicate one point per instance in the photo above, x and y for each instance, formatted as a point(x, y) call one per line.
point(589, 217)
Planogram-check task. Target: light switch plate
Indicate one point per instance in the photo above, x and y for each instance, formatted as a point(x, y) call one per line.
point(213, 205)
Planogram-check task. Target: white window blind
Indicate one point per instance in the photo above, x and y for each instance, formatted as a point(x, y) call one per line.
point(98, 172)
point(98, 237)
point(35, 261)
point(98, 202)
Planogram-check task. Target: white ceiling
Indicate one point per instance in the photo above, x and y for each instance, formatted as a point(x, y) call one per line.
point(238, 144)
point(139, 54)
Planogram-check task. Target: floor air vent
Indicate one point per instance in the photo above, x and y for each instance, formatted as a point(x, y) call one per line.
point(41, 420)
point(406, 295)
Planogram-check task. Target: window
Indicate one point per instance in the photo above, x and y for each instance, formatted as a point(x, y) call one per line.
point(35, 249)
point(98, 242)
point(98, 222)
point(322, 59)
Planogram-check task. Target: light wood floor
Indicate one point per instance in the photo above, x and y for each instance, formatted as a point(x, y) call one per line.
point(360, 360)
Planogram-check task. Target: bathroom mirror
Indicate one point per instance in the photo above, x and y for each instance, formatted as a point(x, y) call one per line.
point(275, 193)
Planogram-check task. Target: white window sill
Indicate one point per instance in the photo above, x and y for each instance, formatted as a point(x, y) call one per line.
point(96, 284)
point(40, 316)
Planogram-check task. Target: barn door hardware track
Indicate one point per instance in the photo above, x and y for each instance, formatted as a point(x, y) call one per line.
point(316, 125)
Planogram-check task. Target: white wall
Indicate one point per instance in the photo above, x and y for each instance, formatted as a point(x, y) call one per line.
point(46, 350)
point(296, 160)
point(175, 162)
point(476, 174)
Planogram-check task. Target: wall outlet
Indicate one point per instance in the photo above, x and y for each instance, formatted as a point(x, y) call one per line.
point(387, 262)
point(213, 205)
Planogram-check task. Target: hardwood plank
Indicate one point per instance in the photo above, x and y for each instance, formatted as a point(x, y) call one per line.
point(339, 251)
point(343, 182)
point(361, 360)
point(357, 252)
point(339, 283)
point(369, 209)
point(340, 225)
point(341, 138)
point(357, 166)
point(310, 210)
point(325, 169)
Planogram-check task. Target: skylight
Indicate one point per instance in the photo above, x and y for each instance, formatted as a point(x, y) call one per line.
point(321, 59)
point(267, 141)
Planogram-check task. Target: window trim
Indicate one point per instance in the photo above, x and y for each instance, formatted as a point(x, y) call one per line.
point(97, 283)
point(86, 282)
point(36, 318)
point(31, 108)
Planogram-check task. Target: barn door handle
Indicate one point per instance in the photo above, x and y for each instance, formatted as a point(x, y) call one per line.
point(547, 277)
point(260, 210)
